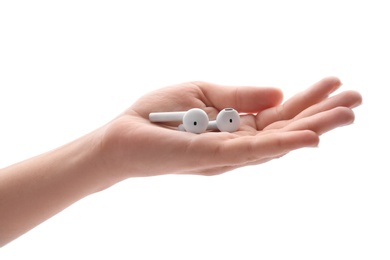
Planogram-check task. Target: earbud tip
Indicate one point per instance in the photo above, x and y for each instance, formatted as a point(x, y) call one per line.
point(195, 121)
point(228, 120)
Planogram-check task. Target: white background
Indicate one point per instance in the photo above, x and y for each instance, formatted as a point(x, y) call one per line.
point(68, 67)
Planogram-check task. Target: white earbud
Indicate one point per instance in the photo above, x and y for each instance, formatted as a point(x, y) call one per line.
point(228, 120)
point(194, 120)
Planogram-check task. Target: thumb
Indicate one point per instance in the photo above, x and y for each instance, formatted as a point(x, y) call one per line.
point(247, 99)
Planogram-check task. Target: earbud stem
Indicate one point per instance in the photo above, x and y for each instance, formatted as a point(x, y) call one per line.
point(212, 125)
point(166, 116)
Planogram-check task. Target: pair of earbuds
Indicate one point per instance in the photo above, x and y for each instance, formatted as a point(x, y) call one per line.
point(196, 120)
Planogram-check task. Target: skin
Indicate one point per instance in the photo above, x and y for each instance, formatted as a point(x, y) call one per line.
point(131, 146)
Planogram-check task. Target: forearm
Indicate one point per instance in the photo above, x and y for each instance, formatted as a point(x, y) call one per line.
point(36, 189)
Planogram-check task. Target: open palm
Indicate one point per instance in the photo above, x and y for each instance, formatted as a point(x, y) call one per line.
point(269, 129)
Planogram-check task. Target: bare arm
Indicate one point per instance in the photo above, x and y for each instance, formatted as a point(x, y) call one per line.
point(36, 189)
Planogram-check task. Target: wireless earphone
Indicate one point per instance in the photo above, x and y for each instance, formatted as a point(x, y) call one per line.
point(196, 121)
point(228, 120)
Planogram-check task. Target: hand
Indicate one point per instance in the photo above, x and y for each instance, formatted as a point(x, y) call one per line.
point(133, 146)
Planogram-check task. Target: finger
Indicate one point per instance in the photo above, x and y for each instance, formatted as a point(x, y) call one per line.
point(245, 149)
point(316, 93)
point(244, 99)
point(349, 99)
point(324, 121)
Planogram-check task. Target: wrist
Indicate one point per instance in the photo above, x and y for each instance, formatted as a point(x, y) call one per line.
point(89, 158)
point(46, 184)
